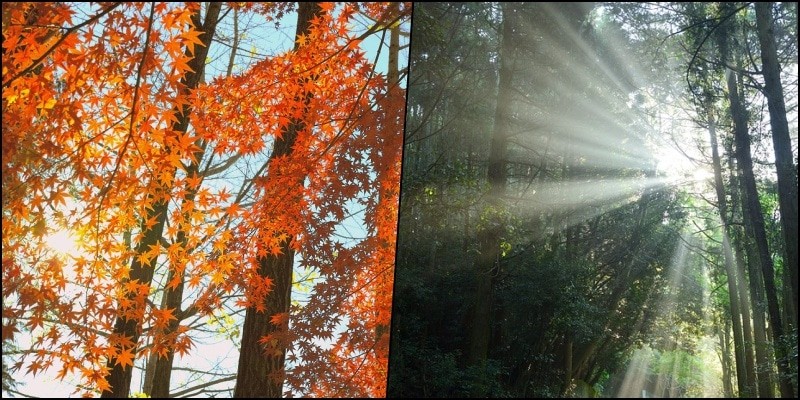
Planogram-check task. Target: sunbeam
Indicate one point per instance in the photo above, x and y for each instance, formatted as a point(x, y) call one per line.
point(638, 380)
point(635, 380)
point(587, 195)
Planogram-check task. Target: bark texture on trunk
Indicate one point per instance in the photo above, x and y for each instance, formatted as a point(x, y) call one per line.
point(142, 272)
point(261, 365)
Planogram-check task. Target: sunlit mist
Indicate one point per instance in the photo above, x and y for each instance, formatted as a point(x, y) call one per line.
point(633, 385)
point(672, 371)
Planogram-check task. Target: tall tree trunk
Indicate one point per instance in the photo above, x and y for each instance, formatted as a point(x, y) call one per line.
point(748, 265)
point(761, 343)
point(486, 264)
point(745, 371)
point(261, 368)
point(752, 207)
point(394, 90)
point(782, 144)
point(568, 347)
point(725, 358)
point(173, 295)
point(142, 272)
point(747, 329)
point(747, 326)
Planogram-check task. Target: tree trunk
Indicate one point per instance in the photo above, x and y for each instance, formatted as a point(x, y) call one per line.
point(745, 370)
point(747, 329)
point(568, 347)
point(486, 265)
point(725, 359)
point(745, 250)
point(173, 296)
point(749, 289)
point(782, 144)
point(752, 207)
point(261, 367)
point(393, 93)
point(127, 325)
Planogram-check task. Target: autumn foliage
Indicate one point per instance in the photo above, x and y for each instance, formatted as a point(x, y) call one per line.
point(167, 178)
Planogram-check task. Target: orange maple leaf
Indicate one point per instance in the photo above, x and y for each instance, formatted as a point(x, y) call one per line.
point(125, 357)
point(162, 317)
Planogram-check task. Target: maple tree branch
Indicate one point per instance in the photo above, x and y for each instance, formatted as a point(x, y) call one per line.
point(202, 386)
point(106, 189)
point(247, 185)
point(350, 115)
point(9, 390)
point(197, 371)
point(236, 38)
point(361, 364)
point(370, 31)
point(136, 95)
point(72, 325)
point(52, 48)
point(210, 171)
point(389, 25)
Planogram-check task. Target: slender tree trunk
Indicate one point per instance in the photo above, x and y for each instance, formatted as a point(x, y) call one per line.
point(744, 365)
point(394, 90)
point(487, 263)
point(725, 359)
point(568, 347)
point(149, 373)
point(747, 328)
point(745, 250)
point(393, 70)
point(752, 207)
point(173, 297)
point(782, 144)
point(761, 342)
point(173, 294)
point(261, 368)
point(142, 272)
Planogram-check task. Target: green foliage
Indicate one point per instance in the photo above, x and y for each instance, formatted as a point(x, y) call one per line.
point(790, 345)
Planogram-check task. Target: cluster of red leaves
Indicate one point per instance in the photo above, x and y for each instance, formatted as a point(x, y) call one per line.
point(71, 130)
point(366, 270)
point(346, 157)
point(88, 108)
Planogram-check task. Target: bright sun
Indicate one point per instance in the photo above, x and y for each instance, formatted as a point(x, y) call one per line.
point(62, 242)
point(679, 169)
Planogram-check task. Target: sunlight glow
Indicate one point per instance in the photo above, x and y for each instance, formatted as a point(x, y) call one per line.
point(673, 371)
point(63, 243)
point(672, 163)
point(684, 172)
point(701, 174)
point(582, 199)
point(636, 375)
